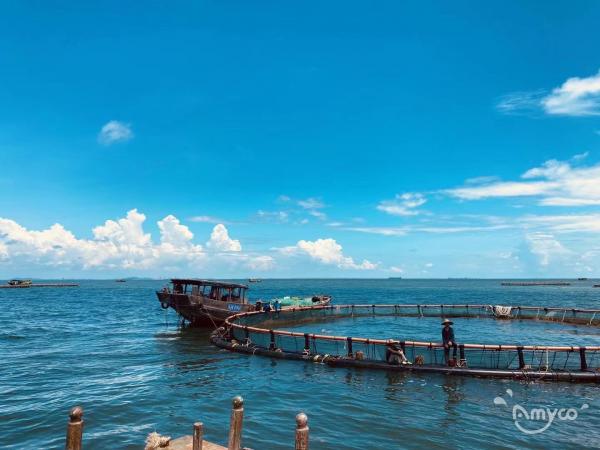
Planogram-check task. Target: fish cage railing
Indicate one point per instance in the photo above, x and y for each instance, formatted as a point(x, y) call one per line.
point(261, 330)
point(579, 316)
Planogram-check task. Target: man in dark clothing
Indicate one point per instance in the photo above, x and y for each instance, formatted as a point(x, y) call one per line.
point(448, 340)
point(394, 354)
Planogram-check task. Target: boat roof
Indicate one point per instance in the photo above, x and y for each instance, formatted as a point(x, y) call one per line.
point(199, 282)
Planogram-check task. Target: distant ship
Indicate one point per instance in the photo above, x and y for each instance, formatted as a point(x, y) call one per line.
point(120, 280)
point(21, 283)
point(254, 280)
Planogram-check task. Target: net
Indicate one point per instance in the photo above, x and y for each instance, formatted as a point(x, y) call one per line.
point(264, 330)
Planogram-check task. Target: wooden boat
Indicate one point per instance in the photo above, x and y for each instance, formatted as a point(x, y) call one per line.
point(210, 302)
point(20, 283)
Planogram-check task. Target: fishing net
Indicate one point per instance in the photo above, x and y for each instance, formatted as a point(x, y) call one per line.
point(266, 330)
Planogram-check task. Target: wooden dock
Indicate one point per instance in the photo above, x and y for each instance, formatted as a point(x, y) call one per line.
point(38, 285)
point(154, 441)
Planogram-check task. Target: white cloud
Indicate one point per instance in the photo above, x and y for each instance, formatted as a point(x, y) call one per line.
point(115, 244)
point(546, 247)
point(580, 156)
point(115, 131)
point(557, 183)
point(396, 269)
point(403, 205)
point(261, 263)
point(486, 179)
point(311, 203)
point(327, 251)
point(520, 103)
point(207, 219)
point(586, 223)
point(220, 240)
point(576, 97)
point(277, 216)
point(318, 214)
point(501, 189)
point(384, 231)
point(401, 231)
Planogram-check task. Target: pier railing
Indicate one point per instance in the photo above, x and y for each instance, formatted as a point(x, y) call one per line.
point(74, 439)
point(264, 330)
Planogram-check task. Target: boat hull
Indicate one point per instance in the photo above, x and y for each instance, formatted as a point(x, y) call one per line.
point(200, 311)
point(204, 312)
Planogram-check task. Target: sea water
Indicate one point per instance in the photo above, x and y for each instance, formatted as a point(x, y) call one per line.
point(110, 348)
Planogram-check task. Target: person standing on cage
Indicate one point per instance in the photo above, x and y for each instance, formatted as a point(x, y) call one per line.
point(448, 340)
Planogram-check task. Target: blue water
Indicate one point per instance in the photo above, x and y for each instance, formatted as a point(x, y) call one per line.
point(109, 347)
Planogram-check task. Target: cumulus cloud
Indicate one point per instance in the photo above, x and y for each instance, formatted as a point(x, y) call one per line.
point(220, 240)
point(575, 97)
point(327, 251)
point(556, 183)
point(546, 247)
point(403, 205)
point(115, 131)
point(116, 244)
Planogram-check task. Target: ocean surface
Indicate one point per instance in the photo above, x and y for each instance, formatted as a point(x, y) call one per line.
point(110, 348)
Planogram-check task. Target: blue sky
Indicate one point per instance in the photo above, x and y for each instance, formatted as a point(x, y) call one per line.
point(233, 139)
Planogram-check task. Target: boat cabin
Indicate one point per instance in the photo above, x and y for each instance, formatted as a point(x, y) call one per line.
point(213, 290)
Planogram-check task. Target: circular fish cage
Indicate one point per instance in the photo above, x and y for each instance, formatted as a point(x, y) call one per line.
point(263, 333)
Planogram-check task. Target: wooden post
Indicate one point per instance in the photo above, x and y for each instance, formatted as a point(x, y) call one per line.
point(198, 436)
point(75, 429)
point(235, 427)
point(301, 432)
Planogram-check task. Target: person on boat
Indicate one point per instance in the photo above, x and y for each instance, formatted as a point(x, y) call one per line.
point(258, 306)
point(394, 354)
point(448, 340)
point(277, 305)
point(267, 307)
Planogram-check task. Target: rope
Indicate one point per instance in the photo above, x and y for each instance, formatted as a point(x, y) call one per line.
point(202, 308)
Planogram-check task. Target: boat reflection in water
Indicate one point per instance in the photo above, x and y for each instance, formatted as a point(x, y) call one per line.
point(209, 302)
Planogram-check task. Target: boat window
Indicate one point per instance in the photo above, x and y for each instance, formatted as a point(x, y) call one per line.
point(226, 295)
